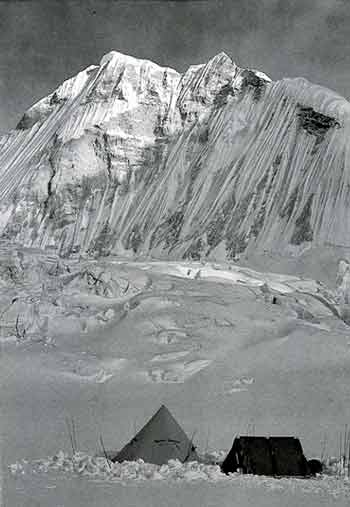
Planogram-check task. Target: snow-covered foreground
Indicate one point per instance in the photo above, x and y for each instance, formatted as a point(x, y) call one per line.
point(228, 350)
point(83, 465)
point(100, 471)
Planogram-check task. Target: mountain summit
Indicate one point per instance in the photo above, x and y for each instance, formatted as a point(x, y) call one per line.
point(130, 157)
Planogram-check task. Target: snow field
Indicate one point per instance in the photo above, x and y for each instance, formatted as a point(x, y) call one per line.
point(334, 483)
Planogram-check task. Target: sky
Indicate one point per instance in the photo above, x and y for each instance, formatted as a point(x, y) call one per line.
point(44, 42)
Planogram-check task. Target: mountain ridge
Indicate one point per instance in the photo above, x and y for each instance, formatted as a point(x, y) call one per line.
point(133, 158)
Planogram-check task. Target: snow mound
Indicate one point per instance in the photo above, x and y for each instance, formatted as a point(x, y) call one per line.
point(99, 467)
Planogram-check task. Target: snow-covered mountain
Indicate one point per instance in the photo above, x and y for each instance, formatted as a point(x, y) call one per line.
point(131, 157)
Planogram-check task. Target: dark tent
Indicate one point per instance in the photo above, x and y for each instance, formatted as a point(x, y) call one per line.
point(266, 456)
point(251, 455)
point(288, 456)
point(158, 441)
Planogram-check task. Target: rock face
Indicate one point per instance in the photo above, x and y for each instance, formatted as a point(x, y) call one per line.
point(130, 157)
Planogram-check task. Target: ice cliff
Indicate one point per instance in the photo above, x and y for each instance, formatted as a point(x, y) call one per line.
point(130, 157)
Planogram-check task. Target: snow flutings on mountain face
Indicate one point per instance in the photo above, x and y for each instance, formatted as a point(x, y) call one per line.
point(130, 157)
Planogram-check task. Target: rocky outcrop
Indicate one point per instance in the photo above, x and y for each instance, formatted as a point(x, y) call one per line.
point(129, 157)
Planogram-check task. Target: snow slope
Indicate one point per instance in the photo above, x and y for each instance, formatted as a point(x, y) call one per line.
point(217, 164)
point(228, 349)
